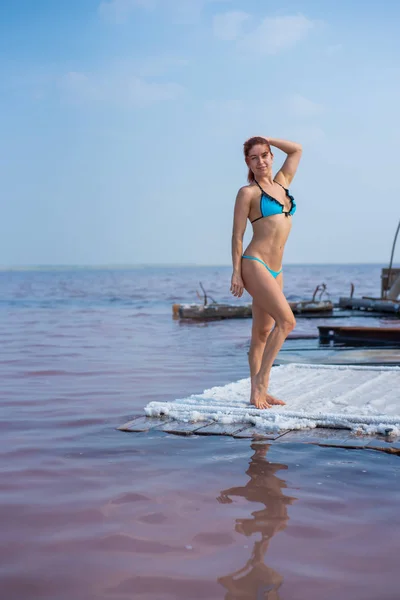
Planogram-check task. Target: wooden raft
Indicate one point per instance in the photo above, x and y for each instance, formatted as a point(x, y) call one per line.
point(338, 438)
point(216, 310)
point(230, 311)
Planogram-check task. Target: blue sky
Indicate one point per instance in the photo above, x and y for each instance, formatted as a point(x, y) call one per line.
point(123, 122)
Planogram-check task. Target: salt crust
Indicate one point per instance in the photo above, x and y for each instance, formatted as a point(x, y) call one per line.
point(362, 399)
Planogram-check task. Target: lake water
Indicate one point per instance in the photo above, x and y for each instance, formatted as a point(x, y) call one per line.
point(88, 512)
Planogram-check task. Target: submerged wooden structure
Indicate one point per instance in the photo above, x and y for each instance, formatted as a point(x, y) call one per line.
point(232, 311)
point(338, 438)
point(215, 310)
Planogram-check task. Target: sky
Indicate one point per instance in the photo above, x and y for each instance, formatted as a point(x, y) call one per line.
point(122, 126)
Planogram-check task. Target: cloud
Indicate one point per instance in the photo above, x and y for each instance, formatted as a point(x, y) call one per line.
point(139, 82)
point(299, 106)
point(182, 12)
point(228, 26)
point(275, 34)
point(119, 11)
point(118, 89)
point(186, 12)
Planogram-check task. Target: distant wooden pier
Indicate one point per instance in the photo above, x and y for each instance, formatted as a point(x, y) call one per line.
point(374, 305)
point(359, 335)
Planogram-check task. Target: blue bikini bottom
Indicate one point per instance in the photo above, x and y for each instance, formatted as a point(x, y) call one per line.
point(273, 273)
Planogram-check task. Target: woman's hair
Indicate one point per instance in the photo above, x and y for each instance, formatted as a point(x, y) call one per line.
point(248, 145)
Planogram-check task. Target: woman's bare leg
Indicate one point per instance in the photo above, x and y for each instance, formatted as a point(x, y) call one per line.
point(262, 324)
point(272, 399)
point(261, 328)
point(268, 297)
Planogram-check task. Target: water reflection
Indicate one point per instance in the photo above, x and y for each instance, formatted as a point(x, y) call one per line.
point(256, 581)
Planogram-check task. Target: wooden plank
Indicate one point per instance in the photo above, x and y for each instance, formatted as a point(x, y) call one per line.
point(258, 432)
point(319, 435)
point(341, 438)
point(143, 424)
point(125, 426)
point(354, 441)
point(326, 437)
point(180, 428)
point(222, 429)
point(374, 333)
point(214, 311)
point(385, 443)
point(387, 283)
point(360, 335)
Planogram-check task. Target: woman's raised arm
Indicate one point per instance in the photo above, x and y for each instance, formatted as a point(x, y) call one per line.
point(289, 167)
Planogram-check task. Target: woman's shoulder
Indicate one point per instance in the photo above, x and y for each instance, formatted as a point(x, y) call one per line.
point(247, 191)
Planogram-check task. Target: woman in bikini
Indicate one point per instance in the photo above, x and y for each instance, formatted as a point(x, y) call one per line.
point(266, 202)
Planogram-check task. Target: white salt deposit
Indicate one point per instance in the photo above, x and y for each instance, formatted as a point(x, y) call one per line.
point(363, 399)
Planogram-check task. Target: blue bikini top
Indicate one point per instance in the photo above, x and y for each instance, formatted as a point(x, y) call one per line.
point(271, 206)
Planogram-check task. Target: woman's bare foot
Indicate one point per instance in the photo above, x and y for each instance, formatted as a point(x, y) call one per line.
point(258, 397)
point(273, 400)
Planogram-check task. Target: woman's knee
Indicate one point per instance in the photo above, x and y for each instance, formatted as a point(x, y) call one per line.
point(260, 334)
point(286, 323)
point(263, 324)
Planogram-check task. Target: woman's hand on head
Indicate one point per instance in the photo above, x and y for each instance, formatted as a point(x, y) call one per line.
point(237, 285)
point(261, 136)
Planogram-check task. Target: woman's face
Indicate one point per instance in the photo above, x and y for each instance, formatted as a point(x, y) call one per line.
point(259, 159)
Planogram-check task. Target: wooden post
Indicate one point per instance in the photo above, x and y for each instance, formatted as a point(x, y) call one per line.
point(387, 280)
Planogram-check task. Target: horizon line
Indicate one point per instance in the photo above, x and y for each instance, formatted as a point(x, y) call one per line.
point(145, 265)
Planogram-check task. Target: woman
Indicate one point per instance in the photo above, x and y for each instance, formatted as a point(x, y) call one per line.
point(266, 202)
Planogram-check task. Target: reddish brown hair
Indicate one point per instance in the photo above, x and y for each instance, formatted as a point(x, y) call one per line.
point(248, 145)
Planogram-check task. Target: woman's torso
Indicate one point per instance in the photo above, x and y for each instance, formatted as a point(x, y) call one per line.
point(270, 233)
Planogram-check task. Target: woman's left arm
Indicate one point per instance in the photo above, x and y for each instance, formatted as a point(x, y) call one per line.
point(289, 167)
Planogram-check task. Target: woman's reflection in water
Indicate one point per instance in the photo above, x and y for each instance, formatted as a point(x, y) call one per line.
point(256, 581)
